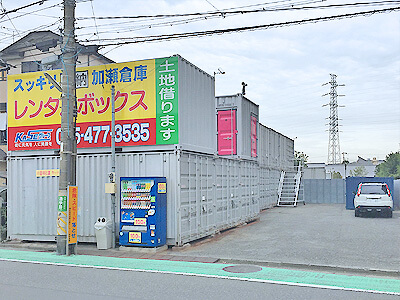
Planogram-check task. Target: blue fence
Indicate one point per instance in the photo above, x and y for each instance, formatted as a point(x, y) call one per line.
point(353, 182)
point(324, 190)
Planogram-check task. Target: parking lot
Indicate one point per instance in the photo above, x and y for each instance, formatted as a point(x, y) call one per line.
point(312, 234)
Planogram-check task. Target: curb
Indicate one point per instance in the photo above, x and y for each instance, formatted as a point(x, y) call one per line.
point(173, 257)
point(317, 268)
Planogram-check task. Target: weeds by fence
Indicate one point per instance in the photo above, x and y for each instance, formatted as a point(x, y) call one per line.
point(3, 222)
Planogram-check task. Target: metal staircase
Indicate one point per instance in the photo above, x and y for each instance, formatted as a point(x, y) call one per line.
point(290, 191)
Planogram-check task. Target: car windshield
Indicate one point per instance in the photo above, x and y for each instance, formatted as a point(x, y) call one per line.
point(374, 189)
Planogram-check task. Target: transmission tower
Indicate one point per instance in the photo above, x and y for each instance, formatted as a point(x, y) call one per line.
point(333, 146)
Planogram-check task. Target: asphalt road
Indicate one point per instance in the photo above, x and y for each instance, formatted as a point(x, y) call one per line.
point(311, 234)
point(37, 281)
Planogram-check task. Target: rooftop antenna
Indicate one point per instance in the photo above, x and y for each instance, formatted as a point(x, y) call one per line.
point(220, 71)
point(244, 88)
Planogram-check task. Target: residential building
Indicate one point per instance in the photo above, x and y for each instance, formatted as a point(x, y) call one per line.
point(329, 171)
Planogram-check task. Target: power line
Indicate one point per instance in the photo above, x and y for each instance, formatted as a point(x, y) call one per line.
point(212, 5)
point(183, 21)
point(224, 13)
point(6, 12)
point(157, 38)
point(39, 15)
point(94, 19)
point(282, 7)
point(28, 13)
point(20, 32)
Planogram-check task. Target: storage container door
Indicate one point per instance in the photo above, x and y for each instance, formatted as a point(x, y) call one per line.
point(253, 136)
point(227, 132)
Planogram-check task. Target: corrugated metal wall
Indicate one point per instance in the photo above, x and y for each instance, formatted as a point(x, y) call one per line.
point(216, 193)
point(269, 181)
point(196, 97)
point(324, 190)
point(276, 153)
point(248, 109)
point(396, 194)
point(205, 193)
point(275, 150)
point(32, 201)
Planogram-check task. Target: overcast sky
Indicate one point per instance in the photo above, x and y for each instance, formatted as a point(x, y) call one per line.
point(284, 67)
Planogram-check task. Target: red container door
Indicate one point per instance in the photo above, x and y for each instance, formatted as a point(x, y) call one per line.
point(227, 132)
point(253, 136)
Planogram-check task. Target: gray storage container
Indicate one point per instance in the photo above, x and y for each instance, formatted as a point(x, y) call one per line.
point(206, 193)
point(237, 126)
point(196, 114)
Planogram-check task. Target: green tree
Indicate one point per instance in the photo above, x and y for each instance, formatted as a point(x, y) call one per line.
point(336, 175)
point(390, 167)
point(300, 157)
point(359, 172)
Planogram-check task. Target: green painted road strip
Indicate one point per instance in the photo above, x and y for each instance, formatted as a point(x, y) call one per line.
point(268, 275)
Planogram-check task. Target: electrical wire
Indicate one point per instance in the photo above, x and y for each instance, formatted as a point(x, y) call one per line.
point(212, 5)
point(94, 19)
point(44, 26)
point(180, 21)
point(157, 38)
point(39, 15)
point(2, 6)
point(291, 7)
point(28, 13)
point(285, 7)
point(5, 12)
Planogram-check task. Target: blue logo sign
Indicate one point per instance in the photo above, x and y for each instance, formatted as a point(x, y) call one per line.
point(39, 135)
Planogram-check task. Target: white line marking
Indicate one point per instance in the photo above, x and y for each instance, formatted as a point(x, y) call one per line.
point(205, 275)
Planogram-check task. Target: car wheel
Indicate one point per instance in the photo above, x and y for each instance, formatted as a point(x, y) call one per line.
point(356, 213)
point(390, 214)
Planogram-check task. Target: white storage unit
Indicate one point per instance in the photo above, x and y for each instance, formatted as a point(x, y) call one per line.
point(206, 193)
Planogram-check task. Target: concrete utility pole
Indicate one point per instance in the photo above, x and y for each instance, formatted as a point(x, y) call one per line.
point(333, 146)
point(345, 162)
point(113, 162)
point(68, 122)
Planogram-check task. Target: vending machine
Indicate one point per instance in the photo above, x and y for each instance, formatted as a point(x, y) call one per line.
point(143, 213)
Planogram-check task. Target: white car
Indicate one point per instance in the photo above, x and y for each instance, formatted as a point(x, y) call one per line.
point(373, 198)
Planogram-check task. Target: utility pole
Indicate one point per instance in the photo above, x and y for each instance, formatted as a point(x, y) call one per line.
point(113, 162)
point(333, 146)
point(68, 122)
point(345, 162)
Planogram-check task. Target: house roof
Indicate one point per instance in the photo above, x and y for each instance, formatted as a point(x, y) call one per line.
point(44, 40)
point(31, 39)
point(364, 162)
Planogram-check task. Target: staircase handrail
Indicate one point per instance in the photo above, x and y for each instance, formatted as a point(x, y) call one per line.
point(280, 186)
point(298, 179)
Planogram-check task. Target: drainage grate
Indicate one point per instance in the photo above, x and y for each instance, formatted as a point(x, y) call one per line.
point(242, 269)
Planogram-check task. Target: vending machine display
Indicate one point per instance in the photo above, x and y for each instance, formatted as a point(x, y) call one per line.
point(143, 213)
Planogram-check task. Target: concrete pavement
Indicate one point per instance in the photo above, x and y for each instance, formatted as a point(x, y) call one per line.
point(312, 237)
